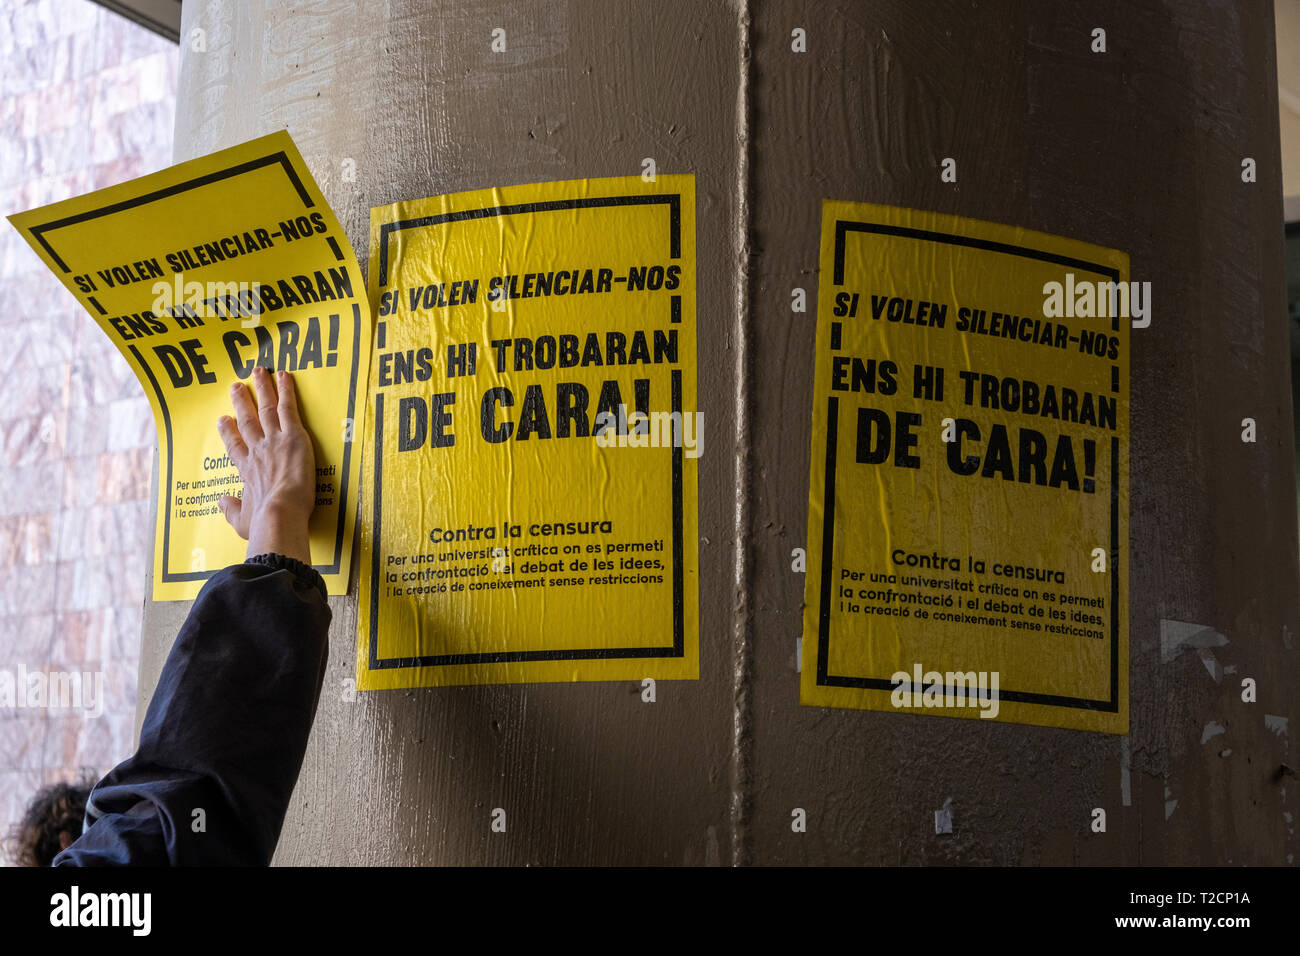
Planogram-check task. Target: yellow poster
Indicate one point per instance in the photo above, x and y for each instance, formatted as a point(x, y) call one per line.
point(530, 501)
point(968, 504)
point(199, 273)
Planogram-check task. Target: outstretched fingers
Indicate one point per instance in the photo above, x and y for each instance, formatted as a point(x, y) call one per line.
point(268, 412)
point(228, 429)
point(289, 417)
point(250, 429)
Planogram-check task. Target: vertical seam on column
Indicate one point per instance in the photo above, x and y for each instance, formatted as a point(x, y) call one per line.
point(742, 645)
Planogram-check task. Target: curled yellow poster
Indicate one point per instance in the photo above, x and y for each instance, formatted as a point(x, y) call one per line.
point(198, 273)
point(530, 509)
point(968, 513)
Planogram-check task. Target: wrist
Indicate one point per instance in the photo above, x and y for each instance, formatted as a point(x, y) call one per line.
point(280, 530)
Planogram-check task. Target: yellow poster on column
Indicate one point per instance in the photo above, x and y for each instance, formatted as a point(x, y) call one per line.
point(530, 509)
point(198, 273)
point(968, 499)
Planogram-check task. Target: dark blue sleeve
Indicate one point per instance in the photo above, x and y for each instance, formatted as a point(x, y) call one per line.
point(226, 730)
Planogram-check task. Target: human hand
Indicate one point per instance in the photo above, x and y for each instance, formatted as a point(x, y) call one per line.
point(273, 452)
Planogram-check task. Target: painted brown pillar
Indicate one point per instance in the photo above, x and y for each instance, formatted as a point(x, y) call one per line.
point(1138, 148)
point(410, 96)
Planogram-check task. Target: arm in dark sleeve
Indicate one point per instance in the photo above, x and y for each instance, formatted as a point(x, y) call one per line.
point(226, 730)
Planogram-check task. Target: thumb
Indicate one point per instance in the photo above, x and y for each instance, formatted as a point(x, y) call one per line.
point(231, 508)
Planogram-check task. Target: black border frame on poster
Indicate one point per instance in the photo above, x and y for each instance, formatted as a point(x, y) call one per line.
point(678, 647)
point(278, 158)
point(823, 677)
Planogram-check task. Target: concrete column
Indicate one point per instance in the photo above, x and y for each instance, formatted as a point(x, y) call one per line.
point(1139, 148)
point(410, 91)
